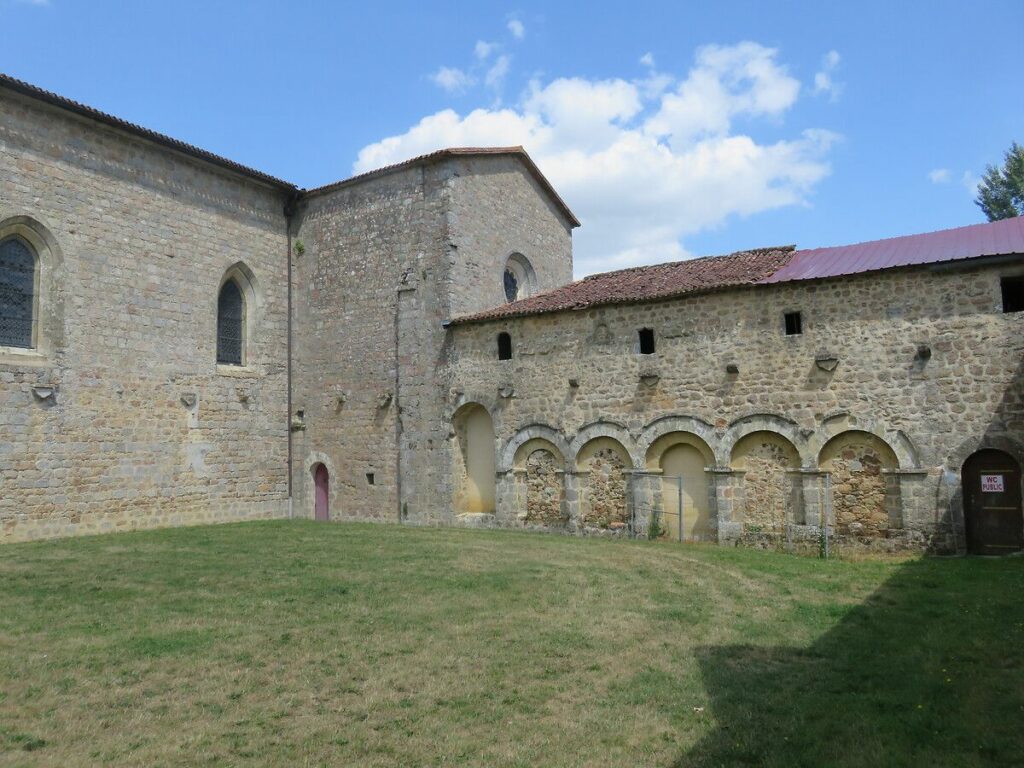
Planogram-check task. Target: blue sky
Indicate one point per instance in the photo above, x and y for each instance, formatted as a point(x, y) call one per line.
point(672, 129)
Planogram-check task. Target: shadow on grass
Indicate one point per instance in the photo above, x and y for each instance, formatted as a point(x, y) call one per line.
point(928, 671)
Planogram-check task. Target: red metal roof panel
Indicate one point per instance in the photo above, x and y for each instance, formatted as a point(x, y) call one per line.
point(996, 238)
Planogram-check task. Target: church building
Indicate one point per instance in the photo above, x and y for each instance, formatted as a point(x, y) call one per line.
point(185, 340)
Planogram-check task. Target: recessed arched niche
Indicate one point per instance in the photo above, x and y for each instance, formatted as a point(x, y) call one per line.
point(474, 464)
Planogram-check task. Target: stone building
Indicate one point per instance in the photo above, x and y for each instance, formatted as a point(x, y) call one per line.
point(186, 340)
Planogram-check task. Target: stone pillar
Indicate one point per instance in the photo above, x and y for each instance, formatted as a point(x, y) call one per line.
point(573, 488)
point(728, 484)
point(914, 509)
point(645, 499)
point(509, 499)
point(812, 483)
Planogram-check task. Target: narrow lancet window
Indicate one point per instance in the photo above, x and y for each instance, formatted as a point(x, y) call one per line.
point(230, 324)
point(17, 293)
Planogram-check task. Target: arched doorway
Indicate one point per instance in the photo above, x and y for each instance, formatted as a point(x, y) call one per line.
point(322, 483)
point(992, 505)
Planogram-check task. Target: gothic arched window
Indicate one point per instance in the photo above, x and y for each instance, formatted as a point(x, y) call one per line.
point(230, 324)
point(17, 293)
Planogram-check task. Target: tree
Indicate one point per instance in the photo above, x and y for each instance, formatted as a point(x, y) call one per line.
point(1001, 191)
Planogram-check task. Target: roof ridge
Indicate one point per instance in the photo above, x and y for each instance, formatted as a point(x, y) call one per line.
point(54, 99)
point(655, 283)
point(712, 257)
point(938, 232)
point(440, 154)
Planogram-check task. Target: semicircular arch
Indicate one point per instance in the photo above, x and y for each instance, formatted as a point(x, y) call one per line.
point(610, 429)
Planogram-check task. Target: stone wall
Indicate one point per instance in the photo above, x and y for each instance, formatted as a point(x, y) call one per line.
point(545, 490)
point(604, 501)
point(364, 289)
point(497, 209)
point(121, 419)
point(858, 366)
point(864, 491)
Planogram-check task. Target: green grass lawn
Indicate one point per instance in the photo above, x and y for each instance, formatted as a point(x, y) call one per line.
point(315, 644)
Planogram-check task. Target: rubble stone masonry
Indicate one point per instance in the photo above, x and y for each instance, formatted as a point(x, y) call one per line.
point(919, 366)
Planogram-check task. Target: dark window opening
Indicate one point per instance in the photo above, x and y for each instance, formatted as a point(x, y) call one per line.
point(511, 285)
point(369, 478)
point(794, 324)
point(504, 346)
point(230, 324)
point(1013, 293)
point(17, 293)
point(646, 341)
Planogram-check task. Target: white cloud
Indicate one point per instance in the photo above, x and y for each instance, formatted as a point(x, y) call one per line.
point(495, 76)
point(939, 175)
point(970, 182)
point(728, 81)
point(645, 169)
point(483, 50)
point(656, 82)
point(453, 79)
point(515, 26)
point(823, 82)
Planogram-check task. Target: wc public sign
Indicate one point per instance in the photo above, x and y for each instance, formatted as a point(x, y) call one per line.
point(992, 484)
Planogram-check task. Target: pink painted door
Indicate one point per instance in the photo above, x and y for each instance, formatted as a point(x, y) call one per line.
point(322, 480)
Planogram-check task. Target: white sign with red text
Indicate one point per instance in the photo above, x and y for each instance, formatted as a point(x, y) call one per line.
point(992, 484)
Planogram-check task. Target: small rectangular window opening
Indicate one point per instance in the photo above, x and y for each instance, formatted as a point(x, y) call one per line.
point(1013, 293)
point(504, 346)
point(369, 478)
point(646, 336)
point(794, 324)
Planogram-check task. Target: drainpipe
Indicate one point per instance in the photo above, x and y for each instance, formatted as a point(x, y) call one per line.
point(398, 404)
point(289, 212)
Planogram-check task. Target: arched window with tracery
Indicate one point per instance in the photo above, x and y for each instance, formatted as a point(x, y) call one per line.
point(17, 293)
point(230, 324)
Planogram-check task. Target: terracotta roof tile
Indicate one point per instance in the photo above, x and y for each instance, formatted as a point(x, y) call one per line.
point(661, 281)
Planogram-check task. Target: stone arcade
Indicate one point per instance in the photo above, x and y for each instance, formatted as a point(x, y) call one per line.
point(186, 340)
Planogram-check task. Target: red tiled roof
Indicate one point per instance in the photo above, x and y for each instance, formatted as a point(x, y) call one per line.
point(997, 238)
point(443, 154)
point(661, 281)
point(27, 89)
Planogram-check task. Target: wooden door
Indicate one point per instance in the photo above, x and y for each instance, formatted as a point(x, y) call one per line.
point(992, 503)
point(322, 481)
